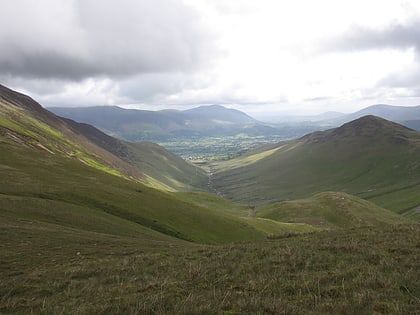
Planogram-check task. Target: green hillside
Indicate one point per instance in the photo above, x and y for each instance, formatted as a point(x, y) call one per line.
point(371, 158)
point(47, 188)
point(161, 168)
point(331, 210)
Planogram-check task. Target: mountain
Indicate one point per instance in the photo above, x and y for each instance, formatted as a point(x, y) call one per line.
point(369, 157)
point(139, 125)
point(217, 113)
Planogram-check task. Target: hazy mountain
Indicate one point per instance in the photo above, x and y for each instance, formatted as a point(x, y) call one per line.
point(138, 125)
point(413, 124)
point(369, 157)
point(217, 113)
point(309, 118)
point(398, 114)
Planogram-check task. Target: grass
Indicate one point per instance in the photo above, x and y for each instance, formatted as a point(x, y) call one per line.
point(331, 210)
point(363, 270)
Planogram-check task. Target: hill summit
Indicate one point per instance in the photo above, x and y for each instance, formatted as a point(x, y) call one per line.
point(367, 131)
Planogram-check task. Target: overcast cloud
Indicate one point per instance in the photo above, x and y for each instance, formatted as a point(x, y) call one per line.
point(393, 36)
point(258, 56)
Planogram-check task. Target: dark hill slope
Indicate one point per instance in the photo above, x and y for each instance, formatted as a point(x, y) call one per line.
point(369, 157)
point(162, 168)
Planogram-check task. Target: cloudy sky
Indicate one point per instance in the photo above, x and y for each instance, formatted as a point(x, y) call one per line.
point(260, 56)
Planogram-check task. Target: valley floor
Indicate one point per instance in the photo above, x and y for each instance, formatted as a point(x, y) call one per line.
point(357, 271)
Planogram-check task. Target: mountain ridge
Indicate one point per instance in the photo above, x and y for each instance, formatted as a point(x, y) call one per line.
point(143, 125)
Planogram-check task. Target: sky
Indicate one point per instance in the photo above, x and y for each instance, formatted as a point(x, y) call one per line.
point(264, 57)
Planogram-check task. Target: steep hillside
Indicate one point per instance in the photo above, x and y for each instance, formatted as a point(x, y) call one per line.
point(369, 157)
point(140, 125)
point(332, 210)
point(23, 121)
point(160, 167)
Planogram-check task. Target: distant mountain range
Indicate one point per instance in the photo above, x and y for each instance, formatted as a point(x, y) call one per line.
point(140, 125)
point(406, 115)
point(218, 121)
point(400, 114)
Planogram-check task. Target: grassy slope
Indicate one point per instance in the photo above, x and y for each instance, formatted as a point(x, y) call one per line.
point(52, 270)
point(370, 158)
point(331, 210)
point(168, 170)
point(35, 178)
point(245, 214)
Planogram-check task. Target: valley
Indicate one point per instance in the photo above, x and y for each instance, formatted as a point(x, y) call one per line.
point(262, 222)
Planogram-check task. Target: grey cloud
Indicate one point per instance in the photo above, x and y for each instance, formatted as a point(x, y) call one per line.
point(408, 79)
point(147, 88)
point(394, 36)
point(91, 38)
